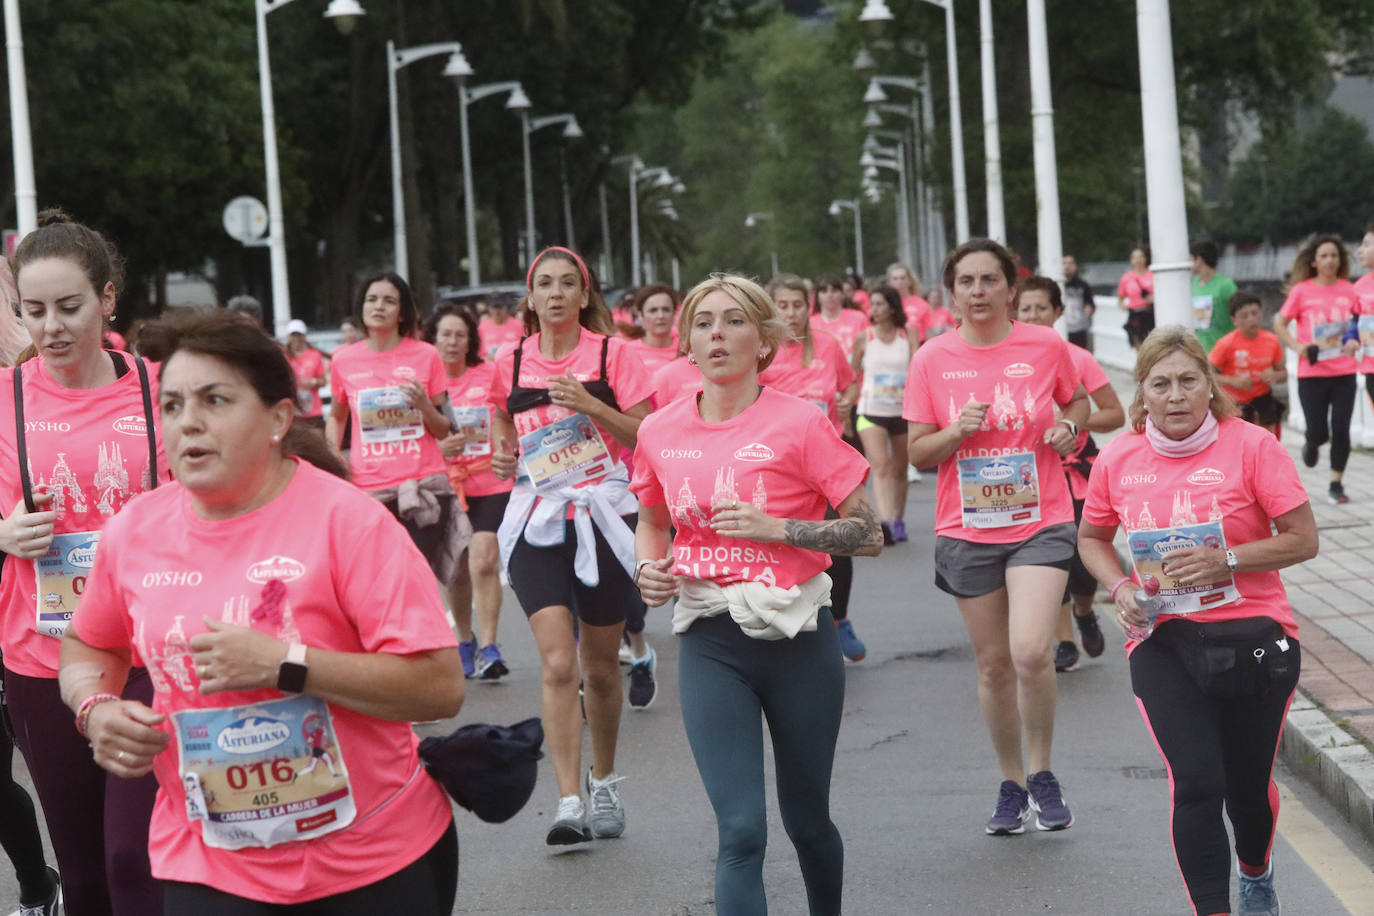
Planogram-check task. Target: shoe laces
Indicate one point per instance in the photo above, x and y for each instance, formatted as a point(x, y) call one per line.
point(1046, 790)
point(569, 808)
point(1010, 800)
point(604, 792)
point(1258, 890)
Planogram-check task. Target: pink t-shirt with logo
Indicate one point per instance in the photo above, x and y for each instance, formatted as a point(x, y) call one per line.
point(1093, 378)
point(629, 381)
point(779, 454)
point(308, 364)
point(162, 568)
point(1023, 377)
point(848, 327)
point(471, 389)
point(1321, 315)
point(1134, 287)
point(89, 449)
point(828, 374)
point(1364, 306)
point(1244, 479)
point(936, 322)
point(915, 308)
point(492, 336)
point(379, 465)
point(676, 380)
point(653, 358)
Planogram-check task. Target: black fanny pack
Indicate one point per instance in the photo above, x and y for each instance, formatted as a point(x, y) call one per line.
point(1230, 658)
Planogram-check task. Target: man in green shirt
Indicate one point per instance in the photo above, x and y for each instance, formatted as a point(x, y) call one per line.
point(1211, 294)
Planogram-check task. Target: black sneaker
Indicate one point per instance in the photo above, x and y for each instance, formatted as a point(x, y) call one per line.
point(643, 688)
point(1090, 634)
point(1065, 656)
point(888, 538)
point(1309, 454)
point(1335, 494)
point(48, 905)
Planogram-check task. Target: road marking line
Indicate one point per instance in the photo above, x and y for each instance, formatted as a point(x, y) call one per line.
point(1343, 872)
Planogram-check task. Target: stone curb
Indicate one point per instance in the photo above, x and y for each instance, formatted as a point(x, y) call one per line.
point(1326, 755)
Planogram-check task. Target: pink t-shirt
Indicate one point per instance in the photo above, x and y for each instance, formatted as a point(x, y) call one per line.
point(676, 380)
point(411, 453)
point(308, 364)
point(1322, 316)
point(1023, 377)
point(493, 336)
point(1092, 377)
point(163, 568)
point(915, 308)
point(848, 327)
point(1133, 287)
point(936, 322)
point(863, 301)
point(653, 358)
point(1244, 479)
point(89, 448)
point(1364, 306)
point(629, 381)
point(818, 383)
point(470, 390)
point(779, 454)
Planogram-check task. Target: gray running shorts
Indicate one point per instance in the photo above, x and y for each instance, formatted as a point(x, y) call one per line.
point(967, 569)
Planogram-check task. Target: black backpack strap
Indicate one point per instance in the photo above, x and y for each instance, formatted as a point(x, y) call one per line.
point(21, 441)
point(605, 345)
point(148, 420)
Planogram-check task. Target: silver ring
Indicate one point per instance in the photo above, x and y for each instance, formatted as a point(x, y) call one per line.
point(120, 757)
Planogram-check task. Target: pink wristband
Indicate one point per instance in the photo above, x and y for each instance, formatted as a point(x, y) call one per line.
point(83, 712)
point(1119, 582)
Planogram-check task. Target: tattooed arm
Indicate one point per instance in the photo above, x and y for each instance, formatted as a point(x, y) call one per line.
point(856, 533)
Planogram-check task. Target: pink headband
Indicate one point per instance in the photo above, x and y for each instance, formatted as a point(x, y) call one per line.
point(581, 265)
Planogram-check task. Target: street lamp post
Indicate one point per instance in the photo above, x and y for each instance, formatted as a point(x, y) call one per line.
point(344, 12)
point(752, 220)
point(956, 123)
point(395, 60)
point(895, 161)
point(1049, 240)
point(992, 146)
point(635, 166)
point(518, 101)
point(25, 188)
point(855, 205)
point(571, 131)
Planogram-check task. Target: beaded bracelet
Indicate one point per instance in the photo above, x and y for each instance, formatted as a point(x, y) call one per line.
point(1119, 582)
point(83, 712)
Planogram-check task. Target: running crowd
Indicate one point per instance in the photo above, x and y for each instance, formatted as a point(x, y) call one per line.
point(731, 451)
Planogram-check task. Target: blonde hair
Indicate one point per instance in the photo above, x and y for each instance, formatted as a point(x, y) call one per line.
point(750, 297)
point(916, 288)
point(1166, 341)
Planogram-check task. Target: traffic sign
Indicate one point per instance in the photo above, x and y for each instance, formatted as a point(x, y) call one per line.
point(245, 219)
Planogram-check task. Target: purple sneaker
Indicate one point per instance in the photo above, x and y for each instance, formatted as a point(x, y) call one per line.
point(898, 530)
point(467, 652)
point(1012, 812)
point(1052, 812)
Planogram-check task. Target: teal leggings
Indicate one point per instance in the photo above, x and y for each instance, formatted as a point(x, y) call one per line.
point(729, 682)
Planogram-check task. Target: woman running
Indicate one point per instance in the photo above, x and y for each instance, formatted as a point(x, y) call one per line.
point(308, 364)
point(1364, 323)
point(657, 306)
point(981, 404)
point(900, 278)
point(813, 367)
point(756, 638)
point(1215, 678)
point(84, 444)
point(498, 327)
point(885, 353)
point(481, 494)
point(838, 316)
point(1135, 295)
point(1322, 302)
point(1039, 301)
point(295, 633)
point(391, 387)
point(854, 291)
point(574, 395)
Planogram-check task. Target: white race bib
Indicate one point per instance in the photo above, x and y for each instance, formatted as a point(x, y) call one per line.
point(999, 492)
point(1150, 546)
point(61, 574)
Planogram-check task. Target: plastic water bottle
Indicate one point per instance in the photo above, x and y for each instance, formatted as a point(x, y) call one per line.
point(1148, 600)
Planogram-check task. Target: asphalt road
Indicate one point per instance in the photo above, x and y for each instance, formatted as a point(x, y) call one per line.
point(915, 781)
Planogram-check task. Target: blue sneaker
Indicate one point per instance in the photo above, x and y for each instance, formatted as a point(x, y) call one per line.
point(1052, 812)
point(489, 663)
point(1012, 811)
point(1257, 897)
point(850, 644)
point(467, 651)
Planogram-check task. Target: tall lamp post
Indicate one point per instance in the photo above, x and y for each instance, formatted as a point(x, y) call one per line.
point(518, 101)
point(395, 60)
point(835, 207)
point(634, 165)
point(345, 14)
point(875, 157)
point(25, 188)
point(1050, 242)
point(571, 131)
point(752, 220)
point(992, 146)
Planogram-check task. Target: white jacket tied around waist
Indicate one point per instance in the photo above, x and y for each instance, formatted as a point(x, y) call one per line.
point(762, 611)
point(540, 517)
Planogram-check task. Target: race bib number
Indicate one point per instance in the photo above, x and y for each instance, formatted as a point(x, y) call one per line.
point(1327, 336)
point(999, 492)
point(474, 423)
point(565, 453)
point(1367, 335)
point(263, 774)
point(61, 574)
point(1202, 312)
point(386, 416)
point(1150, 547)
point(888, 392)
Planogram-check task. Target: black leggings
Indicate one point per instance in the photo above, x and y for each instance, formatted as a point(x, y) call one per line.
point(426, 887)
point(1216, 750)
point(841, 581)
point(1336, 394)
point(19, 826)
point(729, 683)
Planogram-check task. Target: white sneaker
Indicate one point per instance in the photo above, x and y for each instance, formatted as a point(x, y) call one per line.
point(912, 475)
point(627, 657)
point(570, 824)
point(608, 808)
